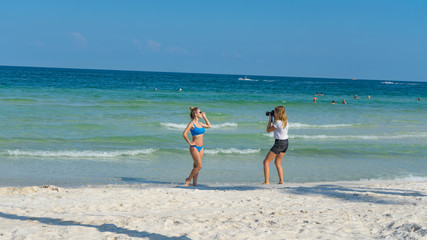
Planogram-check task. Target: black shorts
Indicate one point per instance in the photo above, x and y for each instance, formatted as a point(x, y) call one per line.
point(280, 146)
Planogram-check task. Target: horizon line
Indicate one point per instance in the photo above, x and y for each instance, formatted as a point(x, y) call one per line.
point(235, 74)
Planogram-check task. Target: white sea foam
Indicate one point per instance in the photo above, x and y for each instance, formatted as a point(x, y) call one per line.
point(408, 178)
point(296, 125)
point(411, 178)
point(400, 83)
point(226, 124)
point(231, 151)
point(180, 126)
point(365, 137)
point(85, 153)
point(270, 134)
point(303, 125)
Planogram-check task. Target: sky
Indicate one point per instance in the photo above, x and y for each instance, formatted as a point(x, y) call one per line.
point(363, 39)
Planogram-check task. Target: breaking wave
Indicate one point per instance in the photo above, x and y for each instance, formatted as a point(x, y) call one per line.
point(365, 137)
point(303, 125)
point(182, 126)
point(231, 151)
point(86, 153)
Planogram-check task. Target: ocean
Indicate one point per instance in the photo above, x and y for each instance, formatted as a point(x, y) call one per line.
point(77, 127)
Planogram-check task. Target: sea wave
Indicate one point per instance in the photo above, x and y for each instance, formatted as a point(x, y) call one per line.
point(181, 126)
point(296, 125)
point(408, 178)
point(400, 83)
point(303, 125)
point(365, 137)
point(411, 178)
point(85, 153)
point(231, 151)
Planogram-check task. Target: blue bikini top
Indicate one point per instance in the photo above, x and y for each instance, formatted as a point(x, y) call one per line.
point(196, 130)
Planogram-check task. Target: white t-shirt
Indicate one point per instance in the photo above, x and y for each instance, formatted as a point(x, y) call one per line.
point(280, 132)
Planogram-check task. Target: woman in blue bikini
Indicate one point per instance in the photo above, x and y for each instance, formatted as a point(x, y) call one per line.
point(196, 145)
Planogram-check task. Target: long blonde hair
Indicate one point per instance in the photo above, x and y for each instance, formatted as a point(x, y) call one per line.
point(281, 115)
point(193, 112)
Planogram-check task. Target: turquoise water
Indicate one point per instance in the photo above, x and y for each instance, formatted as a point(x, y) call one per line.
point(78, 127)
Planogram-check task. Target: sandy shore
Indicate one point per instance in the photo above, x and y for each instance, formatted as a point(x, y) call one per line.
point(337, 210)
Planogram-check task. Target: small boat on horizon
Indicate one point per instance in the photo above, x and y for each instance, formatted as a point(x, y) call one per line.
point(246, 79)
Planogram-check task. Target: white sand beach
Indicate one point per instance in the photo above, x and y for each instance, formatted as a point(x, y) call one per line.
point(335, 210)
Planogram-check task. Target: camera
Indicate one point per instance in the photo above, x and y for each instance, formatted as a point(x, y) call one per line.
point(269, 113)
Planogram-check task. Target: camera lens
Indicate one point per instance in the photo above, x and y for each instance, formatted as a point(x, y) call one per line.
point(269, 113)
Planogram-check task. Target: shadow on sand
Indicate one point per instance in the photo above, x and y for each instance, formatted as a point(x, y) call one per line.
point(355, 194)
point(101, 228)
point(198, 187)
point(345, 193)
point(222, 188)
point(143, 180)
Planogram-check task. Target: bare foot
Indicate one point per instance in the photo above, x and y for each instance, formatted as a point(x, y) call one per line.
point(281, 182)
point(195, 184)
point(266, 183)
point(187, 182)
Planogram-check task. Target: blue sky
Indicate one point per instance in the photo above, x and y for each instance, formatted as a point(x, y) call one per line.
point(384, 40)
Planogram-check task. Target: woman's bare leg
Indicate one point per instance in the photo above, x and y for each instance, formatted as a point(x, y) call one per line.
point(267, 160)
point(195, 176)
point(278, 163)
point(196, 166)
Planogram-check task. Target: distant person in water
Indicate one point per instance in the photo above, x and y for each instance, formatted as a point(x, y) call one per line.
point(419, 99)
point(344, 102)
point(315, 100)
point(333, 102)
point(355, 96)
point(280, 128)
point(196, 145)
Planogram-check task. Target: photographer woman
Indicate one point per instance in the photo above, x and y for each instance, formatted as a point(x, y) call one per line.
point(280, 128)
point(196, 145)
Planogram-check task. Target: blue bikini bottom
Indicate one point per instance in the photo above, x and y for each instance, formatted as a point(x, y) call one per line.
point(198, 148)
